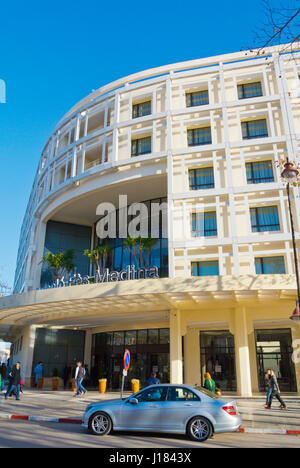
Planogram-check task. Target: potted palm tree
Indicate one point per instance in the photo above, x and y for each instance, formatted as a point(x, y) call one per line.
point(98, 256)
point(59, 264)
point(140, 249)
point(55, 379)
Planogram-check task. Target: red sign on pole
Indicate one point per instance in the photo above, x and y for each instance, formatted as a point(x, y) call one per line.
point(126, 359)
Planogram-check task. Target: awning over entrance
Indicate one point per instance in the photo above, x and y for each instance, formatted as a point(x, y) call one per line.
point(92, 305)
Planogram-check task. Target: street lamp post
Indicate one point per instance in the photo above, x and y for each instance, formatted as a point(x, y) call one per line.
point(290, 174)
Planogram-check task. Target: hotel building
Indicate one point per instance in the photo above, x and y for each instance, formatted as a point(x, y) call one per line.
point(203, 137)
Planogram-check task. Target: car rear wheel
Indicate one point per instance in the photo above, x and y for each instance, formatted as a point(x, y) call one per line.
point(100, 424)
point(199, 429)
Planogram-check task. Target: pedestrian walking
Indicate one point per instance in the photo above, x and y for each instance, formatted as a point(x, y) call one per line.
point(153, 380)
point(3, 373)
point(38, 372)
point(275, 392)
point(80, 374)
point(15, 381)
point(269, 388)
point(67, 375)
point(209, 383)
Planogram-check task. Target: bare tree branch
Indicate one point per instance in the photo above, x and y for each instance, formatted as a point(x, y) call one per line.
point(280, 26)
point(4, 288)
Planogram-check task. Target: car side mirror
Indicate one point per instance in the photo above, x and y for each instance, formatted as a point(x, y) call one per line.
point(133, 401)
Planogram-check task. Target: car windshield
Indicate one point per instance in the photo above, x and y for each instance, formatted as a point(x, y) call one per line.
point(207, 392)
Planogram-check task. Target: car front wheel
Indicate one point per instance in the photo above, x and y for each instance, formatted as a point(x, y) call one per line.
point(199, 429)
point(100, 424)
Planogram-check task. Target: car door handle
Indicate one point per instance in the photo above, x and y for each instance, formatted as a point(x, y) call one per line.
point(188, 404)
point(153, 406)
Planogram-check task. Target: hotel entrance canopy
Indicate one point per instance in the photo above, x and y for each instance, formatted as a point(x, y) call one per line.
point(145, 300)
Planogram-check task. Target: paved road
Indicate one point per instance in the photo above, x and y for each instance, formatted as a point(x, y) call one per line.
point(22, 434)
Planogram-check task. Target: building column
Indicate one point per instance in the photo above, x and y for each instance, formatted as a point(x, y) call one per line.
point(239, 327)
point(26, 356)
point(192, 375)
point(88, 349)
point(175, 347)
point(296, 354)
point(40, 239)
point(253, 362)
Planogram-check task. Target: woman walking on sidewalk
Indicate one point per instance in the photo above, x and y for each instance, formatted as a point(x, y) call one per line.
point(209, 383)
point(269, 391)
point(275, 392)
point(15, 383)
point(3, 376)
point(79, 376)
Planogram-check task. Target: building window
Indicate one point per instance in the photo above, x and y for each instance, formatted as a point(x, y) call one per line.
point(198, 98)
point(141, 146)
point(204, 224)
point(153, 336)
point(141, 109)
point(118, 339)
point(274, 350)
point(217, 354)
point(264, 219)
point(250, 90)
point(269, 266)
point(205, 268)
point(201, 178)
point(149, 349)
point(259, 172)
point(199, 136)
point(254, 129)
point(130, 338)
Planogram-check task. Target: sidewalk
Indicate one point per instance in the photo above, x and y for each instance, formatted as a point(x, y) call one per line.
point(62, 405)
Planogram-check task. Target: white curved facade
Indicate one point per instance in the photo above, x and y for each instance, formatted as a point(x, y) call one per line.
point(90, 152)
point(212, 133)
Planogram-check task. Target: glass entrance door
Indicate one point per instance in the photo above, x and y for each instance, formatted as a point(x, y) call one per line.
point(274, 351)
point(218, 358)
point(149, 349)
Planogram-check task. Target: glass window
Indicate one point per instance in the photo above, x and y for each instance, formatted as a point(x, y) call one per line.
point(199, 136)
point(264, 219)
point(259, 172)
point(217, 354)
point(274, 351)
point(198, 98)
point(153, 336)
point(249, 90)
point(181, 394)
point(118, 339)
point(141, 146)
point(152, 394)
point(205, 268)
point(141, 109)
point(269, 265)
point(254, 129)
point(204, 224)
point(164, 336)
point(201, 178)
point(130, 338)
point(142, 337)
point(109, 338)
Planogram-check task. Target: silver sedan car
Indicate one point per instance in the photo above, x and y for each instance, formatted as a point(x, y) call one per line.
point(177, 409)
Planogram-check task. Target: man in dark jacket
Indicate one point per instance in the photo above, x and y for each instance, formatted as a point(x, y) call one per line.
point(3, 376)
point(80, 374)
point(275, 392)
point(153, 380)
point(15, 381)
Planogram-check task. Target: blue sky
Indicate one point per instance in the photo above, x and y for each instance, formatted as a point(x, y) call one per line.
point(52, 54)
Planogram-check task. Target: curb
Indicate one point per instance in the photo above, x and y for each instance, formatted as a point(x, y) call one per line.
point(242, 430)
point(21, 417)
point(259, 430)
